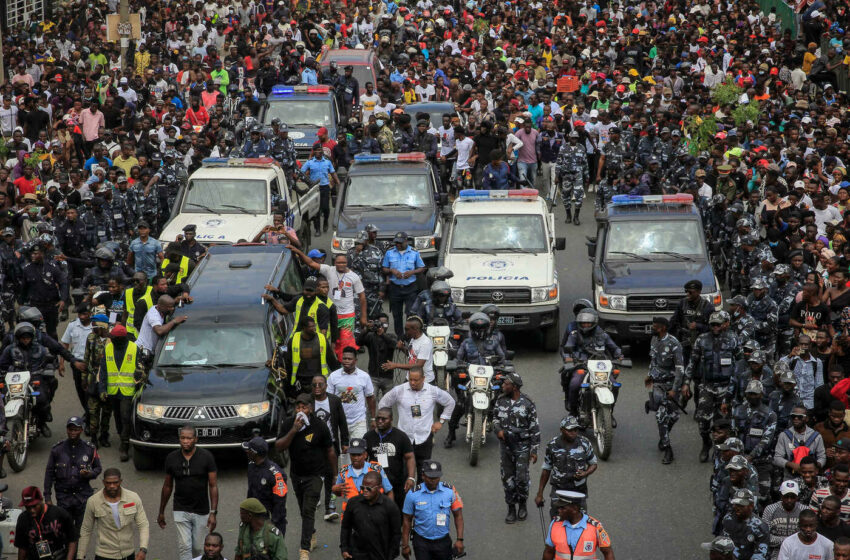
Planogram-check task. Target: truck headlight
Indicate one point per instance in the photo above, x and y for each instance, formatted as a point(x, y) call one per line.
point(617, 303)
point(546, 293)
point(252, 410)
point(716, 298)
point(421, 243)
point(150, 411)
point(343, 243)
point(457, 295)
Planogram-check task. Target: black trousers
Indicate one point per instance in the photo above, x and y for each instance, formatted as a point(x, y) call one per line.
point(422, 452)
point(51, 316)
point(427, 549)
point(402, 299)
point(122, 410)
point(308, 490)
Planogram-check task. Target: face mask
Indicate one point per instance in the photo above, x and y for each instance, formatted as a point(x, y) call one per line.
point(380, 122)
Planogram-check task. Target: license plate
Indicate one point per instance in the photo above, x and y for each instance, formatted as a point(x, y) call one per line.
point(209, 432)
point(505, 320)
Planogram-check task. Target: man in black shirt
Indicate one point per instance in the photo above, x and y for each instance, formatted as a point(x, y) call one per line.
point(371, 526)
point(328, 409)
point(44, 531)
point(192, 474)
point(829, 522)
point(312, 454)
point(380, 343)
point(391, 448)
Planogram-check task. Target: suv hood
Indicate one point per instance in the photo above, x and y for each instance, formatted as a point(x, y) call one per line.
point(190, 385)
point(525, 269)
point(306, 136)
point(636, 277)
point(412, 222)
point(214, 228)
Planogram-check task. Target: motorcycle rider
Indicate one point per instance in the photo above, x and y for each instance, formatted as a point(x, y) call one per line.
point(713, 359)
point(588, 335)
point(474, 350)
point(436, 303)
point(755, 425)
point(27, 354)
point(492, 310)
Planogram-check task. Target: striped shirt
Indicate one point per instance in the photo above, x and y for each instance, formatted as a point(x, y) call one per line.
point(822, 493)
point(782, 524)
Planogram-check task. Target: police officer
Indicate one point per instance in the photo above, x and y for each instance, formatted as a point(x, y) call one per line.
point(71, 466)
point(122, 210)
point(436, 303)
point(783, 292)
point(266, 481)
point(189, 246)
point(612, 153)
point(765, 314)
point(72, 241)
point(283, 151)
point(493, 312)
point(713, 359)
point(516, 426)
point(258, 538)
point(783, 400)
point(98, 413)
point(572, 171)
point(753, 369)
point(347, 90)
point(167, 182)
point(755, 425)
point(255, 145)
point(45, 286)
point(98, 275)
point(748, 532)
point(98, 223)
point(741, 324)
point(366, 260)
point(27, 354)
point(588, 338)
point(426, 515)
point(593, 536)
point(320, 169)
point(666, 371)
point(647, 145)
point(568, 461)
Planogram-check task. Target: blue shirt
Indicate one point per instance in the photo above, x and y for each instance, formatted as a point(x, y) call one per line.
point(320, 170)
point(431, 511)
point(91, 161)
point(308, 76)
point(145, 255)
point(403, 262)
point(358, 478)
point(573, 531)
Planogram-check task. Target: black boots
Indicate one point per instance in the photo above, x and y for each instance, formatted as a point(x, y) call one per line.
point(706, 447)
point(450, 440)
point(124, 453)
point(668, 456)
point(511, 516)
point(576, 221)
point(569, 216)
point(522, 512)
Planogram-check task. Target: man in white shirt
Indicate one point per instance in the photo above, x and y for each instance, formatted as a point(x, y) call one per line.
point(420, 350)
point(154, 325)
point(368, 101)
point(807, 542)
point(824, 213)
point(354, 388)
point(415, 402)
point(74, 340)
point(465, 147)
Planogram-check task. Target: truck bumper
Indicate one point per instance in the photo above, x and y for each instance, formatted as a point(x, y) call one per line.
point(629, 325)
point(522, 317)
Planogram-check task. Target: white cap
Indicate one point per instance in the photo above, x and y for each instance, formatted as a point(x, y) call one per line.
point(122, 81)
point(789, 487)
point(594, 113)
point(799, 184)
point(806, 120)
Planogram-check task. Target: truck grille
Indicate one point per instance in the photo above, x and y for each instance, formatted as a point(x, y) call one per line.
point(653, 303)
point(481, 296)
point(220, 412)
point(179, 412)
point(304, 153)
point(206, 412)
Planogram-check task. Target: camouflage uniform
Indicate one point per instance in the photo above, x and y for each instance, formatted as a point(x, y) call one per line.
point(98, 227)
point(122, 213)
point(646, 148)
point(743, 327)
point(751, 537)
point(713, 358)
point(765, 314)
point(386, 140)
point(726, 490)
point(666, 369)
point(166, 189)
point(518, 420)
point(563, 460)
point(784, 296)
point(782, 404)
point(367, 263)
point(98, 410)
point(614, 155)
point(756, 427)
point(572, 170)
point(145, 207)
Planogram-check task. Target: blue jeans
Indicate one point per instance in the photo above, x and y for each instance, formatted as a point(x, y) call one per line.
point(191, 532)
point(527, 171)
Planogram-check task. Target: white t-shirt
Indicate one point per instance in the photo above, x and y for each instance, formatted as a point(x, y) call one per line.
point(75, 335)
point(343, 288)
point(422, 349)
point(352, 389)
point(793, 549)
point(464, 150)
point(447, 136)
point(828, 214)
point(426, 93)
point(147, 337)
point(368, 104)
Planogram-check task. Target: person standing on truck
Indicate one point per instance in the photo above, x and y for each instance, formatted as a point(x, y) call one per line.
point(321, 170)
point(306, 305)
point(347, 91)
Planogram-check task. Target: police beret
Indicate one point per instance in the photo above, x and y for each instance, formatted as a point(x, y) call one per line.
point(693, 285)
point(252, 505)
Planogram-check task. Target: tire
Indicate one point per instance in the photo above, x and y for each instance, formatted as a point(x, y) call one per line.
point(477, 436)
point(20, 446)
point(604, 432)
point(552, 337)
point(145, 458)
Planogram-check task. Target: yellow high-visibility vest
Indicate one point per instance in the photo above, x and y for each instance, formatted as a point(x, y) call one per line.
point(131, 307)
point(121, 379)
point(295, 346)
point(184, 268)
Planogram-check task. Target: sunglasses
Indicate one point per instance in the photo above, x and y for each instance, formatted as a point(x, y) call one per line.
point(368, 488)
point(318, 384)
point(798, 416)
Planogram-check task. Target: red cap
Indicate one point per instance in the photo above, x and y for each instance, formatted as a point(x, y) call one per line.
point(31, 496)
point(762, 163)
point(774, 71)
point(720, 135)
point(578, 123)
point(621, 88)
point(600, 24)
point(118, 330)
point(600, 76)
point(322, 131)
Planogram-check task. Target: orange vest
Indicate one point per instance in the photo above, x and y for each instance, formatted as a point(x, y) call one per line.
point(592, 536)
point(351, 488)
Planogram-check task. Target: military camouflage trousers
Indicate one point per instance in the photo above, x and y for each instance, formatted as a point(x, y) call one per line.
point(711, 396)
point(666, 413)
point(99, 413)
point(572, 190)
point(514, 469)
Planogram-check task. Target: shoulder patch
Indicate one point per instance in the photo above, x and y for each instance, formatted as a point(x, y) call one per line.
point(417, 488)
point(447, 485)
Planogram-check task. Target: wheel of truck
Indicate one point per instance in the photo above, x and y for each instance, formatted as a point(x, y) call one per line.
point(145, 458)
point(552, 337)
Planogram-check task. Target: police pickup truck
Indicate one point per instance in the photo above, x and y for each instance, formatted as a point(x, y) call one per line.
point(233, 199)
point(304, 109)
point(501, 247)
point(395, 192)
point(646, 248)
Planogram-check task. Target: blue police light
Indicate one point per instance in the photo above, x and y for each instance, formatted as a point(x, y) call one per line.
point(635, 199)
point(215, 161)
point(283, 90)
point(364, 158)
point(470, 195)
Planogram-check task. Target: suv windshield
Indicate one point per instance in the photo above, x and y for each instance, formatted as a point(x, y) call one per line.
point(226, 196)
point(654, 239)
point(523, 233)
point(208, 345)
point(301, 112)
point(388, 190)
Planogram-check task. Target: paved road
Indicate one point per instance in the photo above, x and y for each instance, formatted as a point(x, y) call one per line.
point(646, 507)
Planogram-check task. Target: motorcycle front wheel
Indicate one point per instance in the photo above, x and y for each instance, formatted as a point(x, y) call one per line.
point(604, 431)
point(477, 436)
point(18, 439)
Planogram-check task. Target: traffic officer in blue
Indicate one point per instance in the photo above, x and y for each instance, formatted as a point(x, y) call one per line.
point(426, 511)
point(574, 534)
point(401, 264)
point(755, 425)
point(72, 465)
point(320, 169)
point(266, 481)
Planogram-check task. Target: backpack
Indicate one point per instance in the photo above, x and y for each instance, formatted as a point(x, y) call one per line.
point(800, 451)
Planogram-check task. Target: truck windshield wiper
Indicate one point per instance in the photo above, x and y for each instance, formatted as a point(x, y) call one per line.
point(673, 254)
point(312, 125)
point(375, 208)
point(514, 250)
point(472, 250)
point(409, 206)
point(203, 207)
point(227, 365)
point(240, 208)
point(632, 255)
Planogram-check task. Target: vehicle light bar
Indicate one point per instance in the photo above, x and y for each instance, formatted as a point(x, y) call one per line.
point(634, 199)
point(239, 162)
point(377, 158)
point(290, 90)
point(472, 195)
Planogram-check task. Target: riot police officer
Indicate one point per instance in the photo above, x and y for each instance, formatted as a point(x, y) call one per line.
point(72, 465)
point(572, 171)
point(436, 303)
point(755, 425)
point(122, 210)
point(98, 223)
point(493, 312)
point(587, 339)
point(45, 286)
point(167, 182)
point(98, 275)
point(691, 317)
point(516, 426)
point(713, 359)
point(27, 354)
point(783, 400)
point(266, 481)
point(742, 324)
point(256, 145)
point(612, 154)
point(189, 246)
point(666, 371)
point(765, 314)
point(72, 241)
point(283, 151)
point(366, 258)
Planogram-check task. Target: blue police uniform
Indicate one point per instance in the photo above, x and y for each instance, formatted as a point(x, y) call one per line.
point(320, 171)
point(67, 458)
point(267, 483)
point(402, 290)
point(432, 514)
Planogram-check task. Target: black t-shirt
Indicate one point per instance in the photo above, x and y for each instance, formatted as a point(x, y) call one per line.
point(805, 313)
point(309, 448)
point(395, 444)
point(55, 526)
point(191, 480)
point(832, 533)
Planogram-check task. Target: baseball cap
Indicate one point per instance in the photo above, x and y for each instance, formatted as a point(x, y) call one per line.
point(257, 444)
point(400, 237)
point(754, 386)
point(316, 254)
point(569, 423)
point(31, 496)
point(253, 505)
point(75, 421)
point(723, 545)
point(732, 444)
point(842, 444)
point(742, 497)
point(788, 377)
point(311, 284)
point(8, 231)
point(432, 469)
point(789, 487)
point(356, 446)
point(737, 463)
point(118, 330)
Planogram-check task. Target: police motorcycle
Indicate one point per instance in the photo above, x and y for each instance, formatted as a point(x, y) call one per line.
point(596, 397)
point(21, 421)
point(439, 330)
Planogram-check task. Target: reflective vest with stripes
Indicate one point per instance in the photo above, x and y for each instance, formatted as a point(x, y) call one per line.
point(295, 346)
point(585, 546)
point(183, 273)
point(351, 488)
point(131, 307)
point(121, 379)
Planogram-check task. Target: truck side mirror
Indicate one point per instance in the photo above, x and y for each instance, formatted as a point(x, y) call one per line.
point(591, 247)
point(443, 199)
point(560, 243)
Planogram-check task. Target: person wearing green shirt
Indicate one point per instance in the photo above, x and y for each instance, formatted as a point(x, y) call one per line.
point(97, 57)
point(222, 76)
point(258, 538)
